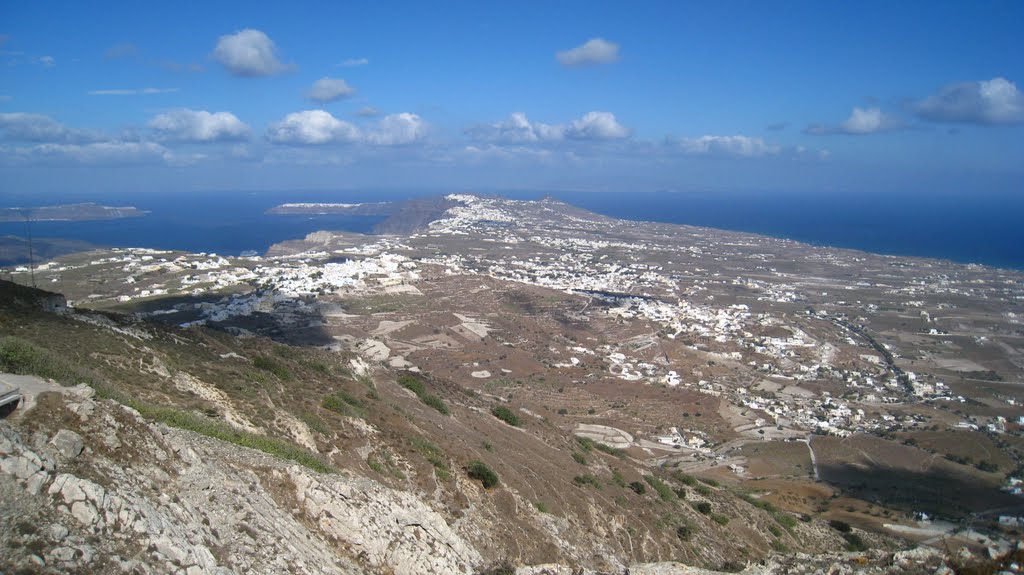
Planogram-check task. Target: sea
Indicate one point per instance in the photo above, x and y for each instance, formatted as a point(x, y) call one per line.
point(976, 228)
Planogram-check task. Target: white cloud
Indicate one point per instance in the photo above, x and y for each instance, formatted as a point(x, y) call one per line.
point(593, 51)
point(47, 61)
point(354, 62)
point(99, 153)
point(38, 128)
point(861, 121)
point(734, 146)
point(132, 92)
point(596, 126)
point(330, 89)
point(248, 53)
point(398, 129)
point(312, 127)
point(186, 125)
point(995, 101)
point(368, 112)
point(518, 129)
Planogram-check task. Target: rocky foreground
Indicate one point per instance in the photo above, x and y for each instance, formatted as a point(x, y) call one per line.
point(90, 486)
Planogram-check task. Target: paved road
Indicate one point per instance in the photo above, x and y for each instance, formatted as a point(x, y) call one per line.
point(31, 386)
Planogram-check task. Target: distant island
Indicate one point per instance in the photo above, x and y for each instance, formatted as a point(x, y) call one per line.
point(403, 217)
point(70, 213)
point(320, 209)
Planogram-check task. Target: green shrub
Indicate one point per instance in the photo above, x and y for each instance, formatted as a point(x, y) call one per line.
point(779, 546)
point(620, 453)
point(435, 402)
point(586, 479)
point(709, 481)
point(617, 478)
point(26, 358)
point(586, 444)
point(344, 403)
point(664, 491)
point(273, 366)
point(416, 386)
point(685, 479)
point(578, 457)
point(505, 414)
point(485, 475)
point(840, 526)
point(720, 519)
point(775, 531)
point(703, 490)
point(702, 506)
point(786, 520)
point(684, 532)
point(541, 507)
point(434, 454)
point(638, 487)
point(854, 542)
point(224, 432)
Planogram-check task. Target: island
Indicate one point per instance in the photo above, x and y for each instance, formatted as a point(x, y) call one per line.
point(70, 213)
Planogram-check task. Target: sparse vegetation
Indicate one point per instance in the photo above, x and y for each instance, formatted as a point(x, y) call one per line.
point(720, 519)
point(272, 365)
point(703, 507)
point(663, 490)
point(434, 454)
point(26, 358)
point(638, 487)
point(416, 386)
point(578, 458)
point(224, 432)
point(478, 470)
point(505, 414)
point(586, 479)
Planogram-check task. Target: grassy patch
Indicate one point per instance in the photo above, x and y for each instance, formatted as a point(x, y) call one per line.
point(720, 519)
point(505, 414)
point(578, 458)
point(485, 475)
point(434, 454)
point(219, 430)
point(620, 453)
point(416, 386)
point(26, 358)
point(272, 365)
point(587, 479)
point(586, 444)
point(344, 403)
point(664, 491)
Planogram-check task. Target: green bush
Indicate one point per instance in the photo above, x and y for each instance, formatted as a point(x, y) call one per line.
point(840, 526)
point(787, 521)
point(854, 542)
point(541, 507)
point(26, 358)
point(617, 478)
point(720, 519)
point(685, 479)
point(505, 414)
point(416, 386)
point(702, 506)
point(435, 402)
point(684, 532)
point(620, 453)
point(273, 366)
point(638, 487)
point(434, 454)
point(703, 490)
point(664, 491)
point(586, 444)
point(578, 457)
point(478, 470)
point(586, 479)
point(224, 432)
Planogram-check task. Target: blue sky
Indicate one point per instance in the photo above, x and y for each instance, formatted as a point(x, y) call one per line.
point(830, 97)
